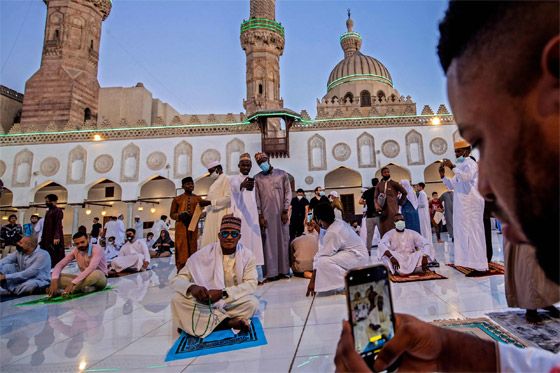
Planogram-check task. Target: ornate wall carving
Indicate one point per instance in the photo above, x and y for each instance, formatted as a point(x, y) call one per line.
point(2, 168)
point(414, 148)
point(309, 180)
point(50, 166)
point(23, 162)
point(156, 161)
point(317, 153)
point(456, 137)
point(233, 147)
point(103, 163)
point(210, 155)
point(130, 162)
point(77, 161)
point(366, 151)
point(390, 148)
point(341, 152)
point(438, 146)
point(182, 160)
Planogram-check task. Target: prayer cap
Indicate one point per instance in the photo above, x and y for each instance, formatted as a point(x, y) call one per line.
point(187, 179)
point(137, 216)
point(462, 144)
point(245, 157)
point(260, 155)
point(212, 164)
point(119, 215)
point(230, 222)
point(334, 193)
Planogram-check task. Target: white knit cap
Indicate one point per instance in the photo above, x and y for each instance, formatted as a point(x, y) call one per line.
point(212, 164)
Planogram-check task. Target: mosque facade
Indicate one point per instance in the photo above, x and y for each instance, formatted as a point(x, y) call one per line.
point(106, 150)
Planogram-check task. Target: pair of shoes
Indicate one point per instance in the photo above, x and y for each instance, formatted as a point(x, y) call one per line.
point(439, 241)
point(476, 273)
point(435, 263)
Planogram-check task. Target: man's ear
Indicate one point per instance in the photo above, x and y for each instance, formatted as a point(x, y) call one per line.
point(549, 89)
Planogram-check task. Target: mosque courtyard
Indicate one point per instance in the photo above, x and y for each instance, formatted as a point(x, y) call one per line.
point(129, 327)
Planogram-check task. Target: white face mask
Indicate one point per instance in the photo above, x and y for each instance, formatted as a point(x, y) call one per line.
point(299, 197)
point(214, 175)
point(400, 225)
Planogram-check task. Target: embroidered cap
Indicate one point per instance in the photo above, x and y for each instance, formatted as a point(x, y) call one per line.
point(230, 222)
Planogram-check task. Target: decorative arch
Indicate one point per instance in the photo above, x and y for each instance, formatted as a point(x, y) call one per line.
point(380, 96)
point(343, 177)
point(182, 160)
point(37, 194)
point(414, 148)
point(130, 162)
point(23, 162)
point(156, 186)
point(202, 185)
point(456, 136)
point(398, 172)
point(334, 99)
point(234, 149)
point(97, 190)
point(365, 98)
point(348, 97)
point(7, 198)
point(317, 153)
point(366, 151)
point(77, 161)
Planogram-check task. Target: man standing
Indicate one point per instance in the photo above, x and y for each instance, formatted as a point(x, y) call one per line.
point(120, 229)
point(160, 225)
point(218, 200)
point(447, 200)
point(424, 216)
point(273, 193)
point(468, 208)
point(133, 256)
point(95, 230)
point(244, 206)
point(10, 234)
point(436, 214)
point(372, 215)
point(139, 226)
point(182, 210)
point(386, 193)
point(299, 207)
point(53, 236)
point(26, 270)
point(319, 198)
point(110, 228)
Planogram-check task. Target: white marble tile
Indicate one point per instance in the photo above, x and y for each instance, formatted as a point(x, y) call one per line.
point(256, 366)
point(320, 339)
point(481, 301)
point(314, 363)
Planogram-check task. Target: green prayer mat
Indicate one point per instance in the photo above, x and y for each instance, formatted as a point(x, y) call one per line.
point(60, 299)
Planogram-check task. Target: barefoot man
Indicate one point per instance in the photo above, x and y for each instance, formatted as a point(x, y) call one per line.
point(215, 288)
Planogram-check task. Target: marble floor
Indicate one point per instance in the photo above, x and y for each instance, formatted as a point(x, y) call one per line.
point(129, 328)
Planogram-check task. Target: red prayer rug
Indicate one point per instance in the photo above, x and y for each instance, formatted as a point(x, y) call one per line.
point(429, 275)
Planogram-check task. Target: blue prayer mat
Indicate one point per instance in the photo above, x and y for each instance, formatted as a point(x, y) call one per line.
point(218, 341)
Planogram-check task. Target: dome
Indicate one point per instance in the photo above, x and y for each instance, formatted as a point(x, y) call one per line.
point(359, 67)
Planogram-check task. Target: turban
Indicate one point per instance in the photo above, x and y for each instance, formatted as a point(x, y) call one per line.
point(230, 222)
point(212, 164)
point(245, 157)
point(462, 144)
point(334, 193)
point(259, 156)
point(187, 179)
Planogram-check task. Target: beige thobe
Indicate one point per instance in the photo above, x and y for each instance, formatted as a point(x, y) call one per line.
point(240, 302)
point(219, 195)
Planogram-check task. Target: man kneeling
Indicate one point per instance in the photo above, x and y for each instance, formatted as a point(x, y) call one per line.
point(93, 267)
point(134, 255)
point(26, 270)
point(340, 249)
point(214, 289)
point(397, 250)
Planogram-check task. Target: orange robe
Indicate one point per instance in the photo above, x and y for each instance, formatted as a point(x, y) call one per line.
point(185, 240)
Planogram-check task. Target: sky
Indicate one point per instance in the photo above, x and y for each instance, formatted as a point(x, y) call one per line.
point(188, 53)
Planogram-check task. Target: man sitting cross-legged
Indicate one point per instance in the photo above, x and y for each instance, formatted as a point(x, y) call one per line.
point(134, 255)
point(93, 267)
point(223, 274)
point(26, 270)
point(340, 249)
point(397, 250)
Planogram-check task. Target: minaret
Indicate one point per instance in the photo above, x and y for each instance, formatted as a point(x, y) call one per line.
point(65, 88)
point(262, 39)
point(350, 41)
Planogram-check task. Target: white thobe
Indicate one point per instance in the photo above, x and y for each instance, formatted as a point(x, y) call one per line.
point(158, 227)
point(112, 230)
point(39, 229)
point(425, 221)
point(219, 195)
point(340, 249)
point(530, 359)
point(119, 239)
point(402, 245)
point(131, 256)
point(468, 209)
point(139, 227)
point(111, 251)
point(244, 206)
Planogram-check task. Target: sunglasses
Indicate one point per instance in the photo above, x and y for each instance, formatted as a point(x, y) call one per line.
point(226, 234)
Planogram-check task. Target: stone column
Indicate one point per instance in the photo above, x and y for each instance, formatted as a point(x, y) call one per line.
point(130, 214)
point(21, 215)
point(75, 221)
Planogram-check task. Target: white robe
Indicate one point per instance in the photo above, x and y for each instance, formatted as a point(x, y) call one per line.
point(158, 227)
point(402, 245)
point(219, 195)
point(340, 249)
point(119, 239)
point(244, 206)
point(139, 227)
point(425, 221)
point(131, 256)
point(468, 209)
point(111, 251)
point(112, 230)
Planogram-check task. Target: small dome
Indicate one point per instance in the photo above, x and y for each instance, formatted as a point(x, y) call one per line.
point(359, 67)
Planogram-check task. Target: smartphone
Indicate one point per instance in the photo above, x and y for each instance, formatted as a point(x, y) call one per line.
point(370, 310)
point(309, 217)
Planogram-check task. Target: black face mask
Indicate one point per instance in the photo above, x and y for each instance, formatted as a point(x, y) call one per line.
point(50, 205)
point(129, 237)
point(19, 249)
point(386, 178)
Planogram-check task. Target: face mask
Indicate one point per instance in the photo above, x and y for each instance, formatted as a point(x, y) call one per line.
point(299, 197)
point(400, 225)
point(129, 237)
point(265, 166)
point(214, 175)
point(321, 193)
point(19, 249)
point(50, 205)
point(461, 159)
point(386, 177)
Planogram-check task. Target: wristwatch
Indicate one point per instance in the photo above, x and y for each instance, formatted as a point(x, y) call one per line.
point(224, 294)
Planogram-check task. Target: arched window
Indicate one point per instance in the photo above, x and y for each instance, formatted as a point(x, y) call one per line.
point(349, 97)
point(91, 45)
point(56, 34)
point(365, 98)
point(380, 96)
point(334, 99)
point(87, 114)
point(393, 98)
point(260, 89)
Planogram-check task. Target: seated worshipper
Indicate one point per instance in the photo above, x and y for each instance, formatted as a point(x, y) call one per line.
point(215, 288)
point(93, 267)
point(10, 234)
point(150, 241)
point(27, 270)
point(356, 227)
point(134, 255)
point(162, 246)
point(340, 249)
point(302, 251)
point(398, 250)
point(111, 248)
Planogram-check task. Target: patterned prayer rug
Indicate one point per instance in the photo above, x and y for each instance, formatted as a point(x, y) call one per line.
point(218, 341)
point(495, 269)
point(482, 328)
point(545, 336)
point(429, 275)
point(60, 299)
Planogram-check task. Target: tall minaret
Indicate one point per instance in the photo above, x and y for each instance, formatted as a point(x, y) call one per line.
point(262, 39)
point(65, 88)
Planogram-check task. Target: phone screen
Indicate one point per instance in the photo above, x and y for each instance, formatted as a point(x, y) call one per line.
point(309, 217)
point(370, 309)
